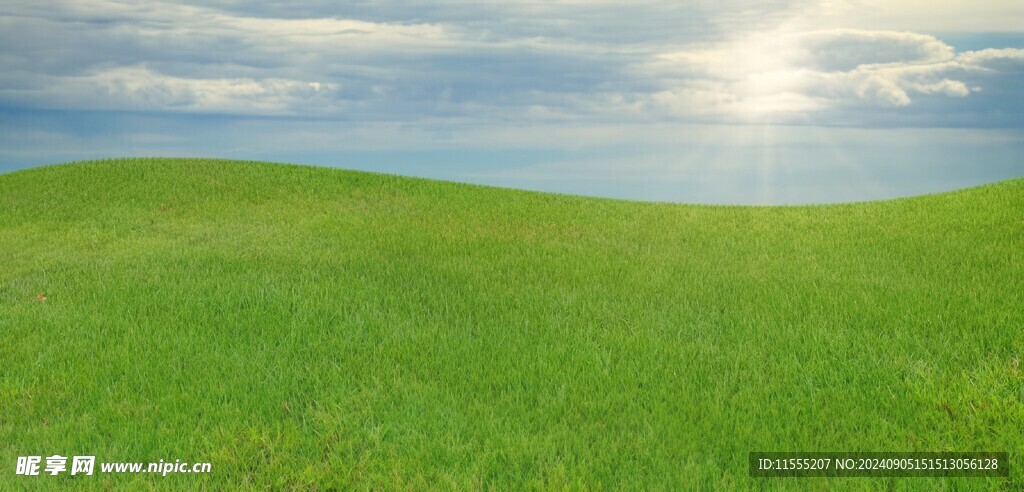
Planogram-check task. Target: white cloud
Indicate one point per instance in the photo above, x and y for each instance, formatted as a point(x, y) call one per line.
point(807, 76)
point(139, 88)
point(922, 15)
point(493, 61)
point(1007, 60)
point(846, 49)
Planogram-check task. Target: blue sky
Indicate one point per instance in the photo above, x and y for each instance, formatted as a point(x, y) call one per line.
point(729, 101)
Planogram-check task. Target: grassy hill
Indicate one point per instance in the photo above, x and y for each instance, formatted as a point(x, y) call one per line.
point(301, 327)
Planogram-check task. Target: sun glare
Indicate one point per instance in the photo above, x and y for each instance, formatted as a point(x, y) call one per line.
point(768, 79)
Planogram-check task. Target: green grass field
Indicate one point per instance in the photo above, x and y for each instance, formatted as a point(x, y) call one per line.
point(309, 328)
